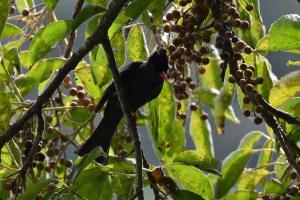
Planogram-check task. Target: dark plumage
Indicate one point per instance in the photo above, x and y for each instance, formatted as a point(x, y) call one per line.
point(143, 82)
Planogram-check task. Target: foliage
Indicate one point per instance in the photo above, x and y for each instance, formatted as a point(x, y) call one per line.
point(216, 49)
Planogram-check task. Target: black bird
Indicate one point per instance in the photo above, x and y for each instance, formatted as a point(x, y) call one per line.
point(143, 82)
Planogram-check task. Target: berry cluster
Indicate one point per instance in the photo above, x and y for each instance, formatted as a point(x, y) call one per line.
point(189, 45)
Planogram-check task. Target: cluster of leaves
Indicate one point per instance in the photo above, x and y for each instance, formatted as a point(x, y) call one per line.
point(205, 40)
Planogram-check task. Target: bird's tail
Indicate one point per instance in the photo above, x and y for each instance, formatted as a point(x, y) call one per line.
point(103, 134)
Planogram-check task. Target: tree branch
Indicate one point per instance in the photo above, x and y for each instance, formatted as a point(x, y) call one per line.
point(129, 115)
point(68, 51)
point(106, 21)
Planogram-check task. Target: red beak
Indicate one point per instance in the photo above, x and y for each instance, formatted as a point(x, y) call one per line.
point(163, 75)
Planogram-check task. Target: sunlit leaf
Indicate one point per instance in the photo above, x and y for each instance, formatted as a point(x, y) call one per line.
point(166, 131)
point(157, 10)
point(211, 78)
point(47, 37)
point(266, 155)
point(50, 4)
point(250, 139)
point(38, 73)
point(192, 179)
point(84, 74)
point(222, 102)
point(10, 30)
point(136, 44)
point(284, 35)
point(201, 133)
point(200, 161)
point(256, 30)
point(86, 13)
point(119, 48)
point(233, 166)
point(23, 4)
point(251, 179)
point(117, 24)
point(263, 69)
point(136, 7)
point(293, 63)
point(287, 87)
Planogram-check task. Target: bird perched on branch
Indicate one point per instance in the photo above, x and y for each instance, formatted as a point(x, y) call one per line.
point(143, 82)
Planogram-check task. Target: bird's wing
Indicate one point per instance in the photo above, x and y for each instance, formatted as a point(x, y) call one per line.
point(108, 93)
point(127, 70)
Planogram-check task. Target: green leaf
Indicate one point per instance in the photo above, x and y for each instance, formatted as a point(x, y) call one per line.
point(84, 74)
point(266, 155)
point(157, 10)
point(100, 70)
point(86, 13)
point(46, 37)
point(284, 34)
point(99, 2)
point(293, 63)
point(192, 179)
point(5, 107)
point(201, 133)
point(222, 103)
point(14, 44)
point(257, 30)
point(124, 177)
point(34, 189)
point(13, 58)
point(82, 162)
point(274, 187)
point(251, 179)
point(167, 132)
point(117, 24)
point(263, 69)
point(4, 9)
point(233, 166)
point(38, 73)
point(200, 161)
point(22, 4)
point(287, 87)
point(242, 195)
point(24, 60)
point(93, 184)
point(250, 139)
point(136, 44)
point(10, 30)
point(50, 4)
point(119, 48)
point(136, 8)
point(211, 78)
point(15, 151)
point(206, 95)
point(185, 195)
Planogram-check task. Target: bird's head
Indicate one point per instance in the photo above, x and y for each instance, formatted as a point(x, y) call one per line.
point(159, 62)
